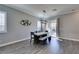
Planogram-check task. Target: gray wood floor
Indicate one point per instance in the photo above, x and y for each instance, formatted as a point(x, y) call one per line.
point(54, 47)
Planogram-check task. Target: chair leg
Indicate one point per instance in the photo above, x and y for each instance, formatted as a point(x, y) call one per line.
point(31, 40)
point(49, 38)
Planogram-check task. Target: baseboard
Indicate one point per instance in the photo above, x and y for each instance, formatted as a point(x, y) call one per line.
point(2, 45)
point(68, 39)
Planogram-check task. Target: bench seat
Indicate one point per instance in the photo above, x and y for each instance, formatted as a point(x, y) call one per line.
point(44, 38)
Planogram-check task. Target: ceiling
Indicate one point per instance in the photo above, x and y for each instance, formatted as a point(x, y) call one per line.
point(51, 9)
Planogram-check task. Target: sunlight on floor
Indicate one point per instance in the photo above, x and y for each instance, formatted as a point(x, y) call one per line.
point(54, 45)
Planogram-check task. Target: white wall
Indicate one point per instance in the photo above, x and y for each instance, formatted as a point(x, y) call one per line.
point(15, 30)
point(69, 26)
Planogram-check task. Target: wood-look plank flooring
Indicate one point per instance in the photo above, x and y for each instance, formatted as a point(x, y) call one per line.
point(54, 47)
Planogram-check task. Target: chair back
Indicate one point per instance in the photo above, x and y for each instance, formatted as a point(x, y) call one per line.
point(32, 33)
point(46, 31)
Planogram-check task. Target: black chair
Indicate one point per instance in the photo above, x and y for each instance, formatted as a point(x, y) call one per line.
point(46, 31)
point(32, 36)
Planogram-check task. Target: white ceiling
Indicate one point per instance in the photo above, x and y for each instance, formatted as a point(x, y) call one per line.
point(37, 9)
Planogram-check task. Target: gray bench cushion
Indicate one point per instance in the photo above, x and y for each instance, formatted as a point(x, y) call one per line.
point(43, 38)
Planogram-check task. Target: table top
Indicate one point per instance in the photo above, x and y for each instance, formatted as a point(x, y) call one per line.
point(40, 33)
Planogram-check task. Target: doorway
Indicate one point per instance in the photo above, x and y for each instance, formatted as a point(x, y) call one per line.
point(53, 28)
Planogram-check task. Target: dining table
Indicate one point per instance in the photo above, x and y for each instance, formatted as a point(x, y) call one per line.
point(39, 35)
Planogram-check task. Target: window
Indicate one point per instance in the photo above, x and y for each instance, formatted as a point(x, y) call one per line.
point(3, 27)
point(38, 26)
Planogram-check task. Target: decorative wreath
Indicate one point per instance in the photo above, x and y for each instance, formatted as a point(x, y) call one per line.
point(25, 22)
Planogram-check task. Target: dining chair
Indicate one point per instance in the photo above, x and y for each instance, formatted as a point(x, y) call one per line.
point(32, 36)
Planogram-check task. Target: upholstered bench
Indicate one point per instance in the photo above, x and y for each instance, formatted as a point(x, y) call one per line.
point(44, 39)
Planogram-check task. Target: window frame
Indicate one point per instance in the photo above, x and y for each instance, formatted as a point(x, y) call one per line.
point(5, 25)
